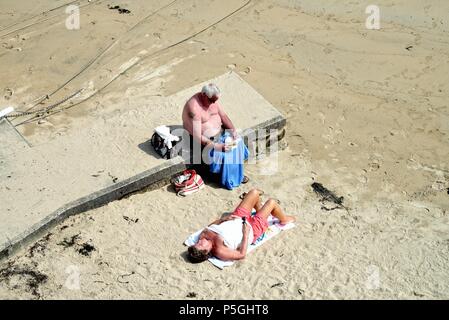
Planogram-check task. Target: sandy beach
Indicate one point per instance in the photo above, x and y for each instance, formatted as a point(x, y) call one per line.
point(367, 116)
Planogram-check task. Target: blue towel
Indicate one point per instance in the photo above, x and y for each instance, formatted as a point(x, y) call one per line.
point(229, 164)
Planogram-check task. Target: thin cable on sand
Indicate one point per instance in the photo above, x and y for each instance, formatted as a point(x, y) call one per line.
point(43, 20)
point(139, 61)
point(37, 15)
point(97, 57)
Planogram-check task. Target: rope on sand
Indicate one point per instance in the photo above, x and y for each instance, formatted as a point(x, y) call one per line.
point(37, 15)
point(43, 20)
point(92, 61)
point(40, 112)
point(148, 56)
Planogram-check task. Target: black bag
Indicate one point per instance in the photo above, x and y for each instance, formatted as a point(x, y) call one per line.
point(161, 148)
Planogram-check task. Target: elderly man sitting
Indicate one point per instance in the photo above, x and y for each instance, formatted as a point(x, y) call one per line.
point(204, 118)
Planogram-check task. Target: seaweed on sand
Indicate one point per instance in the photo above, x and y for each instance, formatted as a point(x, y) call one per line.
point(33, 278)
point(329, 196)
point(69, 242)
point(86, 249)
point(39, 246)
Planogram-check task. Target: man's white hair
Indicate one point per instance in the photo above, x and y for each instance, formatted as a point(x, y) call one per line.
point(211, 90)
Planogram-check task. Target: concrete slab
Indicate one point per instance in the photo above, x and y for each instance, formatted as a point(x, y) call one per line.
point(10, 139)
point(93, 165)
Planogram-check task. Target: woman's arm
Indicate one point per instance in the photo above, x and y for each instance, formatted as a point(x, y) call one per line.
point(220, 220)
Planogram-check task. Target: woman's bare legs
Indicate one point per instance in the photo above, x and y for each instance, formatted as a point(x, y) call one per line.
point(273, 208)
point(251, 200)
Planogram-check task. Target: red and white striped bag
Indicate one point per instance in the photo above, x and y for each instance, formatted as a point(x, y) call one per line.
point(187, 183)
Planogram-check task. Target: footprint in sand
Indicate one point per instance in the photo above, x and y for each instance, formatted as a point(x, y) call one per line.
point(362, 179)
point(373, 166)
point(246, 71)
point(8, 93)
point(328, 49)
point(439, 185)
point(7, 46)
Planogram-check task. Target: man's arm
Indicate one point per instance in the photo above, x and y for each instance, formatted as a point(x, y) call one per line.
point(227, 123)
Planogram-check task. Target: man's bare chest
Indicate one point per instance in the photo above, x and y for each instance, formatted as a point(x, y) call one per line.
point(209, 113)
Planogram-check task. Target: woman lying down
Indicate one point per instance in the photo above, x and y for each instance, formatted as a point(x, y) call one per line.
point(228, 238)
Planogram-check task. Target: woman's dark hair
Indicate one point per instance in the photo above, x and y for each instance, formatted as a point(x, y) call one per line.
point(196, 256)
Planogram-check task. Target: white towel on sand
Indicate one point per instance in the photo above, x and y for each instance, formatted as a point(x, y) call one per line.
point(165, 134)
point(274, 228)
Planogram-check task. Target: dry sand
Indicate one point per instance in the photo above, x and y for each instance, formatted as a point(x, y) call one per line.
point(367, 117)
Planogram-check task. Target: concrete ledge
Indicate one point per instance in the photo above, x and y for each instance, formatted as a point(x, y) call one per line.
point(10, 139)
point(94, 200)
point(117, 191)
point(277, 122)
point(259, 138)
point(25, 218)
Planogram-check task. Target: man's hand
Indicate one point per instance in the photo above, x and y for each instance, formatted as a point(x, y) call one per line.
point(222, 147)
